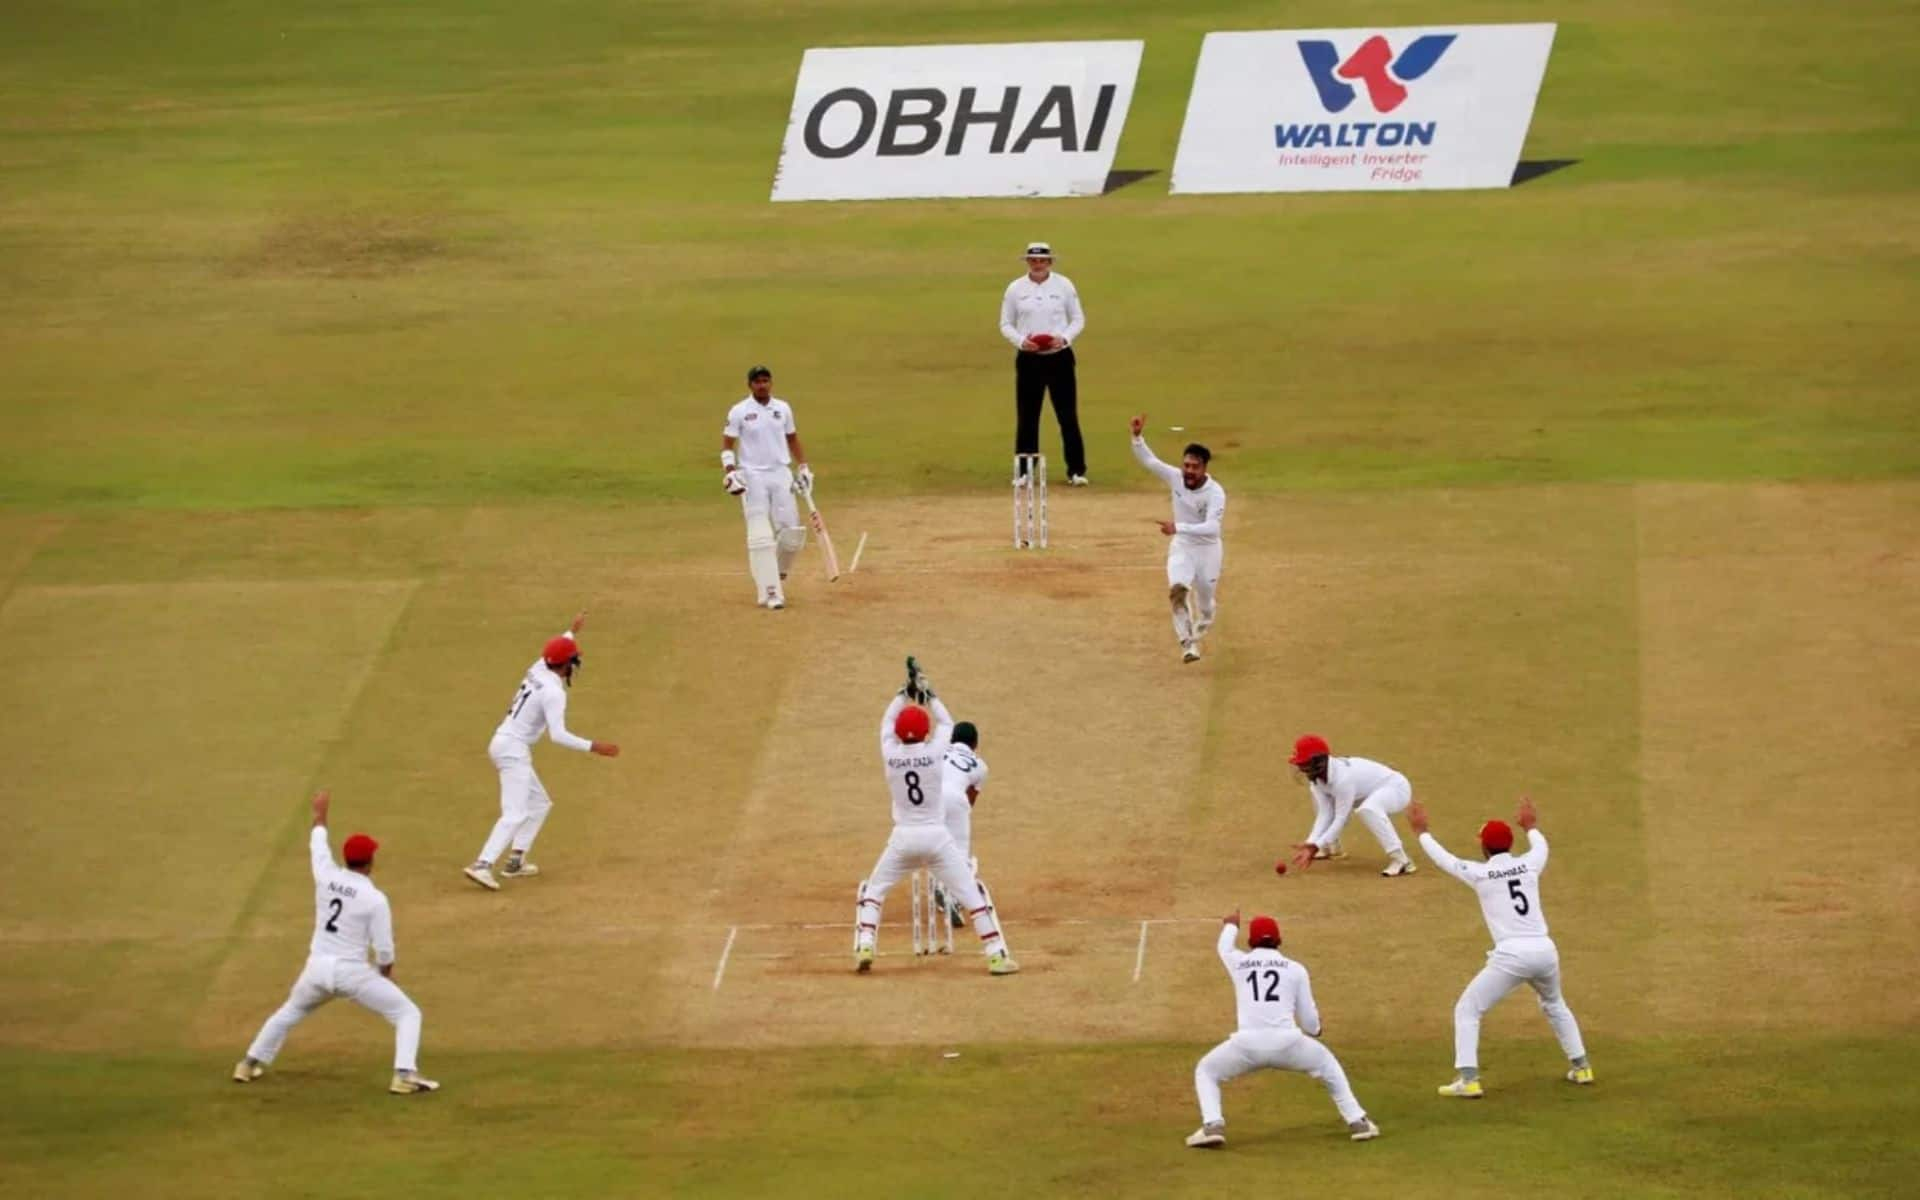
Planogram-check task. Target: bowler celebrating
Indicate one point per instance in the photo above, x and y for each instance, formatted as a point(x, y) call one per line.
point(1193, 557)
point(351, 916)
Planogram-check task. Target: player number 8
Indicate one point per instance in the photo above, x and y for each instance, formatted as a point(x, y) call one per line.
point(914, 794)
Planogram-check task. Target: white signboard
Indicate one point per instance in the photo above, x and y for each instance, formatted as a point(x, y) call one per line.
point(1321, 110)
point(1028, 119)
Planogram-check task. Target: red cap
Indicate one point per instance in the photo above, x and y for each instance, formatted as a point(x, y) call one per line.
point(1309, 747)
point(359, 849)
point(560, 651)
point(1263, 931)
point(913, 724)
point(1496, 836)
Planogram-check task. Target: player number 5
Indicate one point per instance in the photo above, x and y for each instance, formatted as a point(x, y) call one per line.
point(1520, 904)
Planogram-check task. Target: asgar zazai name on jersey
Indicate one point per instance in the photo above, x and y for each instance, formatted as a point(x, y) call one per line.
point(1353, 133)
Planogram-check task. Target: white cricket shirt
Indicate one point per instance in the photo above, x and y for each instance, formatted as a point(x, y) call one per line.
point(1197, 512)
point(760, 433)
point(1508, 886)
point(963, 769)
point(1051, 307)
point(915, 771)
point(1270, 990)
point(349, 913)
point(1349, 781)
point(540, 706)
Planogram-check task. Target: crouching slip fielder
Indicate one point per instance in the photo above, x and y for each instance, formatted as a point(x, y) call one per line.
point(1278, 1025)
point(912, 748)
point(762, 427)
point(540, 705)
point(1193, 558)
point(1350, 787)
point(350, 915)
point(1509, 891)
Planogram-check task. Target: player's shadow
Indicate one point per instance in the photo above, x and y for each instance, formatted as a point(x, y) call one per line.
point(1119, 179)
point(1532, 169)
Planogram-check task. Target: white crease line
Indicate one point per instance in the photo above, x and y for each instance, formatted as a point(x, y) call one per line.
point(720, 971)
point(1140, 955)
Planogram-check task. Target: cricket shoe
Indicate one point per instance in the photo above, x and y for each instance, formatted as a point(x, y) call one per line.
point(411, 1083)
point(1363, 1130)
point(518, 869)
point(481, 874)
point(1463, 1089)
point(1002, 964)
point(1210, 1136)
point(1331, 850)
point(863, 959)
point(1399, 866)
point(1190, 652)
point(1580, 1075)
point(247, 1070)
point(1078, 481)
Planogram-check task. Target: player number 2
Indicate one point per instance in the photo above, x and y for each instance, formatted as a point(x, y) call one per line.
point(1273, 985)
point(914, 794)
point(1520, 904)
point(333, 921)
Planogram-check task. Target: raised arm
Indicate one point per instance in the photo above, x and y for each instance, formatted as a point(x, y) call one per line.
point(942, 723)
point(886, 721)
point(319, 853)
point(1328, 825)
point(1527, 819)
point(1076, 317)
point(1305, 1011)
point(1168, 475)
point(1228, 943)
point(554, 702)
point(1209, 527)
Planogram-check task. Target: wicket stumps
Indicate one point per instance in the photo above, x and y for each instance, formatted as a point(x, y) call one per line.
point(929, 914)
point(1029, 501)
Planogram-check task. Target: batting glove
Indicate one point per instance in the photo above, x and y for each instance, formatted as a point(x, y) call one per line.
point(735, 484)
point(804, 478)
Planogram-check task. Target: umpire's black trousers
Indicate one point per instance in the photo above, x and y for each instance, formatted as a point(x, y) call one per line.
point(1034, 375)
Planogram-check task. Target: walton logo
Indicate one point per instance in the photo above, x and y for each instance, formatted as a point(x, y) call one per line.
point(1370, 65)
point(1384, 77)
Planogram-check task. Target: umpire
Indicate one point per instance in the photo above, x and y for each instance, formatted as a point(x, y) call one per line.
point(1040, 315)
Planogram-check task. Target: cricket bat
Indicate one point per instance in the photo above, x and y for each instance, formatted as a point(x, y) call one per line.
point(820, 531)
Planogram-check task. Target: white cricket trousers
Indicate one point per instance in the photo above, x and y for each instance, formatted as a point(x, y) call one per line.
point(1271, 1049)
point(1377, 810)
point(524, 803)
point(769, 493)
point(1196, 567)
point(1534, 961)
point(326, 978)
point(931, 846)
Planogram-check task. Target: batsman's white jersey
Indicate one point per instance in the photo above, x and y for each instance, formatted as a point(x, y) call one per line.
point(1271, 990)
point(350, 915)
point(760, 433)
point(915, 770)
point(964, 770)
point(538, 707)
point(1507, 885)
point(1374, 790)
point(1197, 512)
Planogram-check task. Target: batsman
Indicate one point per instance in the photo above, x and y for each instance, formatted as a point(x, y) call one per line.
point(913, 747)
point(763, 463)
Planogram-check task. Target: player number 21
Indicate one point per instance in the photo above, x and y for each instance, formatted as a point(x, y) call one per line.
point(1273, 985)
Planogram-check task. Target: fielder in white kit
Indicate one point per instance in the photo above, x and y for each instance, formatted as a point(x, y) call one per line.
point(1509, 889)
point(351, 916)
point(539, 706)
point(1193, 557)
point(1350, 787)
point(1278, 1025)
point(762, 474)
point(913, 747)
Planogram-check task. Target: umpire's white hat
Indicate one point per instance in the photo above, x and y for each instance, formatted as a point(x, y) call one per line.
point(1039, 250)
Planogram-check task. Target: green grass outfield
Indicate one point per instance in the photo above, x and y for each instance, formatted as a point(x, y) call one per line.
point(345, 349)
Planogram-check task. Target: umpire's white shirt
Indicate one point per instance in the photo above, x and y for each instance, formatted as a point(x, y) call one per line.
point(1051, 307)
point(760, 433)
